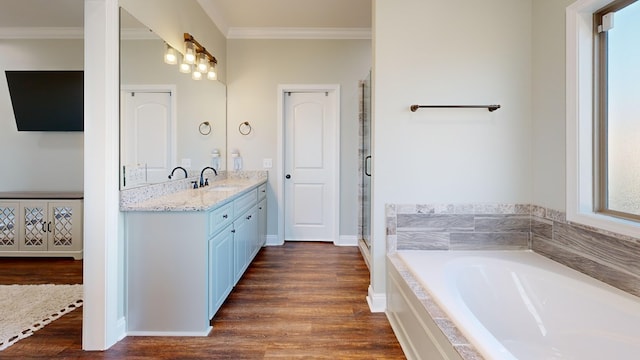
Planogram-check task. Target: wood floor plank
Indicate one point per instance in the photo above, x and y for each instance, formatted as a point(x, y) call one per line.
point(301, 300)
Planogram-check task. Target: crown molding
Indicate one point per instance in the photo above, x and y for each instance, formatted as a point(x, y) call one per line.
point(299, 33)
point(41, 33)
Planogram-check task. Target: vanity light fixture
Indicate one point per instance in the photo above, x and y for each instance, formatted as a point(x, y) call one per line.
point(197, 60)
point(170, 55)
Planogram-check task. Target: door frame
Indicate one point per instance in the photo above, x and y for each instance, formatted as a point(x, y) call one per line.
point(174, 117)
point(282, 90)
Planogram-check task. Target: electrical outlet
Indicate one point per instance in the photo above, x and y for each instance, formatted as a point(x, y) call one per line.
point(185, 163)
point(267, 163)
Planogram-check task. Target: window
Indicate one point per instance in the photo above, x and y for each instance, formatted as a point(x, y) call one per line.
point(617, 110)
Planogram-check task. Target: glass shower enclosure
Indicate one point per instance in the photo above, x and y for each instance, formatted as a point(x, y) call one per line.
point(365, 161)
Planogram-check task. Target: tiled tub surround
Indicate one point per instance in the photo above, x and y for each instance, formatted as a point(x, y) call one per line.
point(611, 258)
point(178, 195)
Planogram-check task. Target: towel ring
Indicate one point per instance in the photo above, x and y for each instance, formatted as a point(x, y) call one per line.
point(205, 128)
point(247, 128)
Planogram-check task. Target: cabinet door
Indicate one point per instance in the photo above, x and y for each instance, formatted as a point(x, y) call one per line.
point(65, 225)
point(221, 272)
point(34, 225)
point(246, 227)
point(9, 226)
point(239, 244)
point(262, 224)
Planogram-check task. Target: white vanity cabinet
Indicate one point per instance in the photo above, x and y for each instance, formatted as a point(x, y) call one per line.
point(41, 227)
point(182, 265)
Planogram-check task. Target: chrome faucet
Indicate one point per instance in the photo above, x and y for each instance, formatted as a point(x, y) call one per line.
point(206, 182)
point(176, 168)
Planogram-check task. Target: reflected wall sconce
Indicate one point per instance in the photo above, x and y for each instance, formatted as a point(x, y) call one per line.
point(196, 59)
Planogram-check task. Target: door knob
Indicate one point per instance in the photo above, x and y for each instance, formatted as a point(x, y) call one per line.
point(288, 176)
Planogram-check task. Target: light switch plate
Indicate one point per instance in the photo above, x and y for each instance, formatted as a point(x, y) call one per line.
point(267, 163)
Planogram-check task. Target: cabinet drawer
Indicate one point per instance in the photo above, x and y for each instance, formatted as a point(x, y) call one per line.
point(220, 217)
point(245, 202)
point(262, 191)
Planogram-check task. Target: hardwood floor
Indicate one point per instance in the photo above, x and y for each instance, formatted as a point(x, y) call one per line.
point(301, 300)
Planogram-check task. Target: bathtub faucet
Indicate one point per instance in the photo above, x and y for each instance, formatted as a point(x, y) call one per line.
point(206, 182)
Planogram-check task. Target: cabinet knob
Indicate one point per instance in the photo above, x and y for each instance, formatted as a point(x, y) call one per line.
point(249, 217)
point(225, 216)
point(233, 231)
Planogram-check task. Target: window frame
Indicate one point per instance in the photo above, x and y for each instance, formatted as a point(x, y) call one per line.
point(601, 121)
point(580, 97)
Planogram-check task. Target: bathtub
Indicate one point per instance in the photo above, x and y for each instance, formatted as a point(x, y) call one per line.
point(506, 305)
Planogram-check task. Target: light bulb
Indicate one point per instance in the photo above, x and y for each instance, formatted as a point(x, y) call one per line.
point(212, 74)
point(196, 75)
point(184, 67)
point(203, 63)
point(170, 56)
point(189, 52)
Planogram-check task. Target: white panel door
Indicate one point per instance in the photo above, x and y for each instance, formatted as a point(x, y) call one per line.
point(147, 134)
point(310, 167)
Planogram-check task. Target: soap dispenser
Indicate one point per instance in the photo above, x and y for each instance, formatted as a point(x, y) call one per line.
point(237, 160)
point(215, 159)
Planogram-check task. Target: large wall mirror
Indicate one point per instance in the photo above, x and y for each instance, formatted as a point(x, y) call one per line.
point(167, 118)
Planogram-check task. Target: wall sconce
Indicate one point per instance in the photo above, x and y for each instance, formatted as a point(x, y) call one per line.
point(196, 60)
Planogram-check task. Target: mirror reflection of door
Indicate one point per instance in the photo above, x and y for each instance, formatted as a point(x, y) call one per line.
point(148, 147)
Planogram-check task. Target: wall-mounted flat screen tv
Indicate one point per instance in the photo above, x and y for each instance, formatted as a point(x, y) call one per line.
point(47, 100)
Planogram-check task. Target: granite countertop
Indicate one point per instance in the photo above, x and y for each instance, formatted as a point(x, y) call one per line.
point(66, 195)
point(201, 199)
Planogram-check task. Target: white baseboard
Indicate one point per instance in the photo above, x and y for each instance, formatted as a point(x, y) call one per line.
point(377, 301)
point(121, 328)
point(170, 333)
point(346, 240)
point(272, 240)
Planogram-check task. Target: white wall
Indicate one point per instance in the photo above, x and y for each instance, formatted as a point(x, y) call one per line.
point(256, 67)
point(38, 161)
point(548, 113)
point(197, 101)
point(449, 52)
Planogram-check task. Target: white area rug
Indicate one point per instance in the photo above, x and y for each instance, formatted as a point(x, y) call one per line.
point(25, 309)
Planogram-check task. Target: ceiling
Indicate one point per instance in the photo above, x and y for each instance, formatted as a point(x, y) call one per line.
point(229, 15)
point(42, 13)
